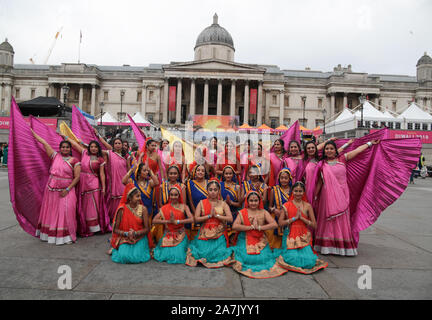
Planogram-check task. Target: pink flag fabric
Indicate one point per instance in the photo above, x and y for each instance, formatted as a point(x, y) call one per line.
point(82, 128)
point(293, 133)
point(139, 135)
point(28, 168)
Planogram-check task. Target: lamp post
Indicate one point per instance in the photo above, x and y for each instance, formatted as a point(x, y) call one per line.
point(304, 107)
point(122, 93)
point(324, 112)
point(101, 111)
point(362, 100)
point(65, 94)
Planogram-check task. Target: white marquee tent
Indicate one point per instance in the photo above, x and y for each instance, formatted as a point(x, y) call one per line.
point(414, 118)
point(372, 118)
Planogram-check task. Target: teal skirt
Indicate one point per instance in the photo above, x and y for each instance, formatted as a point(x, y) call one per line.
point(173, 255)
point(302, 260)
point(253, 262)
point(256, 266)
point(132, 253)
point(211, 253)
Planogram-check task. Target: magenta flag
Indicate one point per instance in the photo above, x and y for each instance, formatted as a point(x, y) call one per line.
point(28, 170)
point(139, 135)
point(82, 128)
point(293, 133)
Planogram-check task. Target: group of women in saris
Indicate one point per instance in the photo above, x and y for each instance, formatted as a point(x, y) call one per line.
point(256, 216)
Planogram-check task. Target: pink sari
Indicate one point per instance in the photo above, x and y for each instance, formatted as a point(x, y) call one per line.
point(333, 233)
point(310, 183)
point(117, 170)
point(276, 165)
point(92, 213)
point(57, 220)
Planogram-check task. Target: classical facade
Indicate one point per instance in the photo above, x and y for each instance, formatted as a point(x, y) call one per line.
point(212, 84)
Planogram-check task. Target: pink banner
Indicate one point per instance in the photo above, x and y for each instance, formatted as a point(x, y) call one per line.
point(172, 98)
point(52, 123)
point(425, 136)
point(253, 101)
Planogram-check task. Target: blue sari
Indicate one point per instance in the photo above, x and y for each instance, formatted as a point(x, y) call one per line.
point(225, 191)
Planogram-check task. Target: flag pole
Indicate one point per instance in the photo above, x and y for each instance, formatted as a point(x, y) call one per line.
point(79, 48)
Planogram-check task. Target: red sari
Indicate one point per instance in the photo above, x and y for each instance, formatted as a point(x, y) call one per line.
point(128, 220)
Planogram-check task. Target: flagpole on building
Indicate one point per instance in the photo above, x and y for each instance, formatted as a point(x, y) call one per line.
point(79, 48)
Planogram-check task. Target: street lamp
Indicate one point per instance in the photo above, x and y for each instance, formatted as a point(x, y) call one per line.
point(362, 100)
point(65, 94)
point(122, 93)
point(101, 111)
point(304, 107)
point(324, 112)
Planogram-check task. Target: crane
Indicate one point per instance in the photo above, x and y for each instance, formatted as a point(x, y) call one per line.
point(50, 49)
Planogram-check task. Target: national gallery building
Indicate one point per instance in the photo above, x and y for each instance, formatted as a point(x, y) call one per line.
point(213, 83)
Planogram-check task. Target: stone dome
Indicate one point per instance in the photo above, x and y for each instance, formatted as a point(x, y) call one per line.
point(215, 34)
point(5, 46)
point(424, 60)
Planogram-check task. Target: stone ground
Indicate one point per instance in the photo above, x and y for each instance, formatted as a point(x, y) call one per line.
point(398, 249)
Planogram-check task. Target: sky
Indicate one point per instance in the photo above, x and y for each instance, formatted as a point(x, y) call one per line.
point(377, 37)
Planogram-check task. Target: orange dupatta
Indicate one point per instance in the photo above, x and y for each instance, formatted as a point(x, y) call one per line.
point(213, 228)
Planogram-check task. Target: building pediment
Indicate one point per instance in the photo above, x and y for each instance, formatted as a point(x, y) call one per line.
point(213, 65)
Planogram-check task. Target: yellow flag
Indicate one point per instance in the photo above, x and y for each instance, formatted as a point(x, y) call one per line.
point(188, 146)
point(64, 129)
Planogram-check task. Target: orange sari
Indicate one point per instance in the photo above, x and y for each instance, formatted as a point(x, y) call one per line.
point(174, 234)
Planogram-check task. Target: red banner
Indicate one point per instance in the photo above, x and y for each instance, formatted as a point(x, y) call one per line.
point(253, 101)
point(52, 123)
point(425, 136)
point(172, 98)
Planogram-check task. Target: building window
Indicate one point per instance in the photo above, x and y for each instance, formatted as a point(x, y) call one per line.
point(417, 126)
point(139, 96)
point(150, 117)
point(286, 102)
point(394, 105)
point(398, 125)
point(273, 123)
point(274, 99)
point(46, 92)
point(33, 93)
point(105, 95)
point(425, 126)
point(17, 93)
point(319, 123)
point(320, 103)
point(303, 122)
point(151, 95)
point(410, 126)
point(76, 95)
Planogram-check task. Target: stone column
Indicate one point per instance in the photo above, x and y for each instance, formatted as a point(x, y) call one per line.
point(332, 105)
point(158, 104)
point(219, 98)
point(233, 98)
point(144, 100)
point(51, 90)
point(1, 97)
point(165, 108)
point(260, 104)
point(93, 101)
point(179, 100)
point(267, 106)
point(206, 96)
point(81, 97)
point(345, 100)
point(192, 97)
point(281, 107)
point(8, 98)
point(246, 104)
